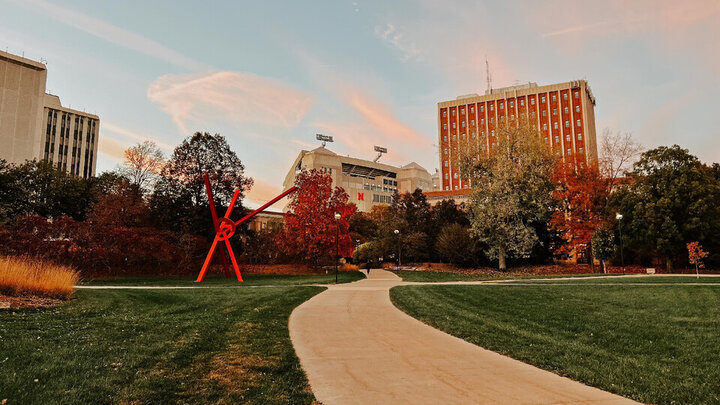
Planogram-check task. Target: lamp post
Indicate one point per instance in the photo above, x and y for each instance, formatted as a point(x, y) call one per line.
point(619, 217)
point(337, 244)
point(397, 234)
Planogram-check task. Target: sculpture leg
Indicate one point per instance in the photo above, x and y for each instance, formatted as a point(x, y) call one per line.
point(232, 258)
point(208, 259)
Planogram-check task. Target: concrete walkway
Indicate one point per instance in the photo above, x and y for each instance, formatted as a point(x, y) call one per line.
point(357, 348)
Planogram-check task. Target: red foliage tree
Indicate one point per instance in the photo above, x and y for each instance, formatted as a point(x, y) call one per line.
point(309, 230)
point(582, 194)
point(696, 254)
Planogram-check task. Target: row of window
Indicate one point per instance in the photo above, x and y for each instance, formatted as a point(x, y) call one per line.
point(382, 199)
point(576, 95)
point(512, 118)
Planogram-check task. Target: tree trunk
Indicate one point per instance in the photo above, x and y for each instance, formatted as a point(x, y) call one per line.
point(697, 271)
point(668, 265)
point(592, 258)
point(501, 260)
point(602, 265)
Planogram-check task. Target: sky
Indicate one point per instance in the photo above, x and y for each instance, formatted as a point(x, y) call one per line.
point(269, 75)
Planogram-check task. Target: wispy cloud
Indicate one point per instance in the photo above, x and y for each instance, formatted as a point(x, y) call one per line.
point(111, 148)
point(134, 135)
point(228, 96)
point(390, 34)
point(381, 118)
point(113, 34)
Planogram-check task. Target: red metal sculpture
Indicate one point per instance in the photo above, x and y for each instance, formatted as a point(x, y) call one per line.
point(225, 229)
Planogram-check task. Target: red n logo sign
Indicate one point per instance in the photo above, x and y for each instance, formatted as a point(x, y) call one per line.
point(361, 196)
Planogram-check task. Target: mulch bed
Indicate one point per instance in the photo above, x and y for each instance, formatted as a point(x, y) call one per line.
point(8, 302)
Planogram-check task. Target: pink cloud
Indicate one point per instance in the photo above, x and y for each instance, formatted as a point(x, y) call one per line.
point(229, 96)
point(111, 148)
point(382, 120)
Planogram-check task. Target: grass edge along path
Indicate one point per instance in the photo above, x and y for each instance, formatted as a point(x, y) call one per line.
point(155, 346)
point(214, 280)
point(653, 344)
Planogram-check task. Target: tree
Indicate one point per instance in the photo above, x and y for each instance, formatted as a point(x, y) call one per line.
point(603, 246)
point(582, 196)
point(122, 205)
point(179, 202)
point(455, 245)
point(511, 191)
point(143, 162)
point(618, 151)
point(696, 255)
point(673, 199)
point(310, 227)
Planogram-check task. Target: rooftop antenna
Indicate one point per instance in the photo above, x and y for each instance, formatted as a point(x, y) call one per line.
point(380, 150)
point(323, 138)
point(488, 76)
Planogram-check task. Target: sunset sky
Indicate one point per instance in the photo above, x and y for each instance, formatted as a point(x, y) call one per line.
point(269, 75)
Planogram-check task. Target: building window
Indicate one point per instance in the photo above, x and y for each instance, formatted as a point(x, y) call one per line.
point(544, 113)
point(511, 103)
point(444, 126)
point(544, 126)
point(565, 110)
point(546, 139)
point(532, 114)
point(532, 100)
point(512, 117)
point(482, 134)
point(569, 151)
point(447, 188)
point(501, 105)
point(446, 176)
point(492, 133)
point(445, 151)
point(444, 113)
point(492, 120)
point(462, 123)
point(567, 137)
point(554, 97)
point(472, 110)
point(455, 175)
point(557, 139)
point(454, 137)
point(453, 114)
point(444, 138)
point(580, 150)
point(472, 122)
point(491, 107)
point(564, 96)
point(577, 94)
point(555, 125)
point(522, 102)
point(579, 136)
point(567, 124)
point(482, 147)
point(446, 163)
point(462, 111)
point(554, 111)
point(482, 121)
point(502, 118)
point(577, 108)
point(482, 108)
point(578, 122)
point(542, 99)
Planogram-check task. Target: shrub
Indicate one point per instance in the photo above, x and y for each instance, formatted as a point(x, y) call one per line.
point(26, 276)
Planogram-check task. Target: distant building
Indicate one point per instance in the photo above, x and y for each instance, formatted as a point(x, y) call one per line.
point(563, 114)
point(35, 125)
point(267, 221)
point(367, 183)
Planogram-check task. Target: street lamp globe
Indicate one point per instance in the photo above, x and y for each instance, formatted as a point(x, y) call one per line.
point(337, 215)
point(618, 216)
point(396, 232)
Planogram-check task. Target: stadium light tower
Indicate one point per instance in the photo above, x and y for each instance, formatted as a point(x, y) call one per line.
point(323, 138)
point(380, 150)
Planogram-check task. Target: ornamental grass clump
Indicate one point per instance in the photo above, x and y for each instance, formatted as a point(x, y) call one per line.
point(23, 276)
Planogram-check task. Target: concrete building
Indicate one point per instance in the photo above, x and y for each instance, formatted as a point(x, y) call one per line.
point(267, 221)
point(35, 125)
point(563, 114)
point(367, 183)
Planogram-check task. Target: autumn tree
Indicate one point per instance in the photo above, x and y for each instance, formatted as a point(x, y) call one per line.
point(143, 163)
point(511, 191)
point(121, 205)
point(696, 254)
point(310, 227)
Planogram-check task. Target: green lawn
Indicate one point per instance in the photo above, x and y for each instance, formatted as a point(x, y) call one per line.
point(633, 280)
point(228, 345)
point(220, 280)
point(655, 344)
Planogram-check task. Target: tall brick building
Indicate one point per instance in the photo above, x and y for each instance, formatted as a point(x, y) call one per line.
point(563, 113)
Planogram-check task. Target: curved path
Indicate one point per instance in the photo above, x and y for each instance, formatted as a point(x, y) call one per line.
point(358, 348)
